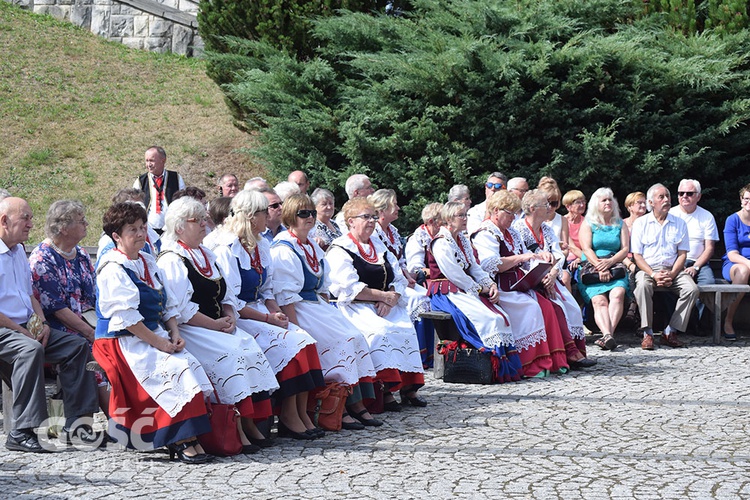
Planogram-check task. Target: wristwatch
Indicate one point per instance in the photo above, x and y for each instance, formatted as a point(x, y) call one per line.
point(697, 268)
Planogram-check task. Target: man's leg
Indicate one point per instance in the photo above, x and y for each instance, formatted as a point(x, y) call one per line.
point(644, 296)
point(705, 277)
point(72, 353)
point(26, 356)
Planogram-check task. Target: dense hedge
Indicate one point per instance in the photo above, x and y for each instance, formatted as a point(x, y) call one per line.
point(593, 93)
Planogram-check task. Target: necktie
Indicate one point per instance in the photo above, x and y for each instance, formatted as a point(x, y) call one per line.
point(158, 185)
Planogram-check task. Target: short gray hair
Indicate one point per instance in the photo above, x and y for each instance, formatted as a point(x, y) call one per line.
point(450, 210)
point(285, 189)
point(178, 213)
point(695, 183)
point(355, 182)
point(321, 194)
point(531, 198)
point(4, 193)
point(499, 175)
point(256, 183)
point(432, 211)
point(159, 150)
point(60, 215)
point(650, 193)
point(458, 191)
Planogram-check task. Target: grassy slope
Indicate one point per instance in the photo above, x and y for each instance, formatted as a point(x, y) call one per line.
point(77, 113)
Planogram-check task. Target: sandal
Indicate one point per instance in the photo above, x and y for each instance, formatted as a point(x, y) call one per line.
point(607, 342)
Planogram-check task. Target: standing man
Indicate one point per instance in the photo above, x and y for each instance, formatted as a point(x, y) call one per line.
point(25, 347)
point(660, 244)
point(273, 221)
point(299, 178)
point(229, 186)
point(495, 182)
point(159, 186)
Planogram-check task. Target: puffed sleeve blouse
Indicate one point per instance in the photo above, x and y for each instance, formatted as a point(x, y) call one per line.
point(345, 281)
point(118, 295)
point(462, 270)
point(286, 269)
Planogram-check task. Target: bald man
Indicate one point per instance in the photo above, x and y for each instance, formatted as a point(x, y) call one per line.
point(300, 179)
point(24, 349)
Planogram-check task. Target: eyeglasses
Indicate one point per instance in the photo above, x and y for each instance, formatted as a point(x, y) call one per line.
point(306, 214)
point(579, 202)
point(274, 205)
point(461, 216)
point(509, 212)
point(524, 191)
point(744, 200)
point(686, 193)
point(198, 219)
point(553, 203)
point(495, 185)
point(546, 205)
point(366, 217)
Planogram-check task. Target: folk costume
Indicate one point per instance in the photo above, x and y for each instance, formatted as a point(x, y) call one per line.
point(300, 275)
point(536, 331)
point(233, 361)
point(394, 348)
point(291, 352)
point(159, 191)
point(455, 282)
point(156, 398)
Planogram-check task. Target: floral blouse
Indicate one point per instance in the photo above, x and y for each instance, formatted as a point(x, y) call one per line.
point(59, 283)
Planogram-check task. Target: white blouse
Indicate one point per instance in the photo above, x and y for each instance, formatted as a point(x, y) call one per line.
point(345, 283)
point(454, 264)
point(415, 250)
point(118, 297)
point(551, 241)
point(228, 249)
point(176, 277)
point(286, 269)
point(487, 242)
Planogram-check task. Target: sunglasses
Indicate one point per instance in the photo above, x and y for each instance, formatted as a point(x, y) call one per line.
point(686, 193)
point(274, 205)
point(305, 214)
point(495, 185)
point(554, 203)
point(366, 217)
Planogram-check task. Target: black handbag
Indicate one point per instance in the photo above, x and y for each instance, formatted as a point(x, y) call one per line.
point(590, 276)
point(466, 365)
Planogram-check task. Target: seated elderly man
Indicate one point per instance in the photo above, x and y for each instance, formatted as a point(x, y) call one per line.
point(495, 182)
point(660, 244)
point(27, 342)
point(256, 183)
point(228, 185)
point(357, 185)
point(300, 179)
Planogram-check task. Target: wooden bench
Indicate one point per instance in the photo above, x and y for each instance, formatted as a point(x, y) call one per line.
point(445, 329)
point(716, 303)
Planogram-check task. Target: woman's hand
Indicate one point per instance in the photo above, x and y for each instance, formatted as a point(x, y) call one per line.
point(603, 264)
point(493, 294)
point(382, 309)
point(605, 276)
point(278, 319)
point(169, 346)
point(546, 257)
point(224, 324)
point(390, 298)
point(574, 264)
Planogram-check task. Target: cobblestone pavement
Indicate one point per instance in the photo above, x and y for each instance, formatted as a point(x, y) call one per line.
point(672, 423)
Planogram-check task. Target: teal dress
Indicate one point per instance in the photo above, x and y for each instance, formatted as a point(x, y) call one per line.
point(605, 241)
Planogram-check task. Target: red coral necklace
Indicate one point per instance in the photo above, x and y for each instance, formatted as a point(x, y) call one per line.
point(254, 259)
point(312, 259)
point(371, 256)
point(204, 270)
point(147, 275)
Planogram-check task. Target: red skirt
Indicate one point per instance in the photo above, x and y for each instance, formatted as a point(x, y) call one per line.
point(301, 374)
point(136, 420)
point(394, 379)
point(555, 338)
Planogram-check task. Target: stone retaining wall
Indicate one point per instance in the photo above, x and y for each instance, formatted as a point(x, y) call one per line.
point(158, 26)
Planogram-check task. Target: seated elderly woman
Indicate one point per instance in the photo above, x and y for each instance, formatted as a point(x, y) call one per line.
point(63, 276)
point(605, 241)
point(366, 280)
point(418, 243)
point(326, 229)
point(460, 287)
point(153, 243)
point(300, 278)
point(386, 206)
point(132, 306)
point(460, 192)
point(574, 202)
point(244, 258)
point(541, 239)
point(206, 314)
point(502, 253)
point(635, 203)
point(558, 223)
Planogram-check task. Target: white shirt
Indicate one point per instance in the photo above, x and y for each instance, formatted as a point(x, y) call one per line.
point(701, 226)
point(475, 216)
point(15, 283)
point(657, 243)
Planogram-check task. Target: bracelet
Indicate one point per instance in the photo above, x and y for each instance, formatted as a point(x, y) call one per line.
point(266, 320)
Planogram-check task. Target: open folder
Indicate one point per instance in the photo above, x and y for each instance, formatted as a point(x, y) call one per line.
point(532, 278)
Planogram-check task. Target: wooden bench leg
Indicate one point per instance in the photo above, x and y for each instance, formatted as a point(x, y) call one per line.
point(717, 317)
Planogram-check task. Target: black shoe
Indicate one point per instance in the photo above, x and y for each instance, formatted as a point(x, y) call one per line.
point(250, 449)
point(352, 426)
point(412, 400)
point(392, 405)
point(262, 443)
point(285, 431)
point(316, 432)
point(85, 436)
point(24, 440)
point(178, 450)
point(367, 422)
point(582, 363)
